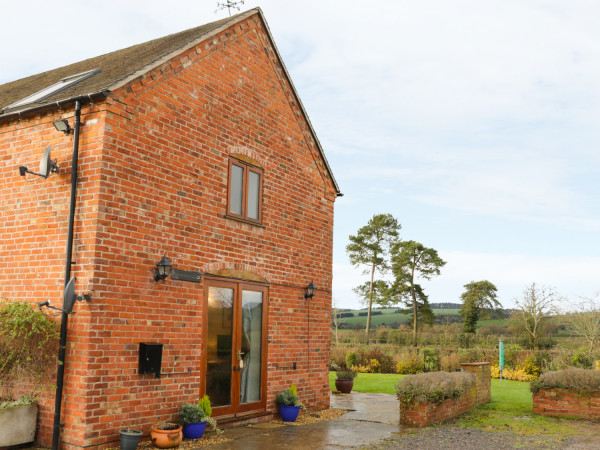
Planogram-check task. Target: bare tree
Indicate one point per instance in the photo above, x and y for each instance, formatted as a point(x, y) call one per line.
point(584, 319)
point(535, 306)
point(336, 322)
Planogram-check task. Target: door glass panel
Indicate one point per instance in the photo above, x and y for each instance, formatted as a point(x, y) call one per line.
point(251, 347)
point(236, 192)
point(218, 345)
point(253, 194)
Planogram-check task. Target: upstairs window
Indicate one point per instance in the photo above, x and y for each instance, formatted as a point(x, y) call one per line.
point(244, 199)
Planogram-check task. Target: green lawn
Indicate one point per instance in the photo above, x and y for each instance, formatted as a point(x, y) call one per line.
point(378, 383)
point(511, 408)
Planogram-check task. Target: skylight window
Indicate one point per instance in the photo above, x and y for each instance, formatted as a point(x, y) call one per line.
point(51, 90)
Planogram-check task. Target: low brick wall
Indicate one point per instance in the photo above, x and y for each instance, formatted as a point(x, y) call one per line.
point(417, 414)
point(566, 402)
point(483, 375)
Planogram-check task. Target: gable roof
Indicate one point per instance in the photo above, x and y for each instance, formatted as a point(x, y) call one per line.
point(115, 68)
point(119, 67)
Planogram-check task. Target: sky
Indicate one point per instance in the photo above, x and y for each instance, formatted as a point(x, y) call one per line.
point(474, 123)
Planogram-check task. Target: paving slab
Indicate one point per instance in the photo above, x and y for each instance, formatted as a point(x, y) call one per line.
point(331, 434)
point(382, 408)
point(370, 419)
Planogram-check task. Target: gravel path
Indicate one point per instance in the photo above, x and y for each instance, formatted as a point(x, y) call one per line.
point(448, 437)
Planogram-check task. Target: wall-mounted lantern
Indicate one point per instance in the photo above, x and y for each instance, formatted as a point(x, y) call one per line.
point(163, 269)
point(309, 291)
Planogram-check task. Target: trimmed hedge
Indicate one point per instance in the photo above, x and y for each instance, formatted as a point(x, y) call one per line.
point(434, 387)
point(582, 380)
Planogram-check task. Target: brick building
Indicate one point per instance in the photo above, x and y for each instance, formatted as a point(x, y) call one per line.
point(195, 147)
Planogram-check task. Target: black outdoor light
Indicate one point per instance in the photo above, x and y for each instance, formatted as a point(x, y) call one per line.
point(163, 269)
point(62, 125)
point(310, 290)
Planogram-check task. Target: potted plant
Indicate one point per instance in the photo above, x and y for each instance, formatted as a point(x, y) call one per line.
point(166, 435)
point(344, 379)
point(130, 438)
point(289, 406)
point(28, 349)
point(193, 418)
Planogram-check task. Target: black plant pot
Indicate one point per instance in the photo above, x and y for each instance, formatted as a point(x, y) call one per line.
point(130, 439)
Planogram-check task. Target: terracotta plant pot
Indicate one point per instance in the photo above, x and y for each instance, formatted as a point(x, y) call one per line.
point(344, 386)
point(166, 438)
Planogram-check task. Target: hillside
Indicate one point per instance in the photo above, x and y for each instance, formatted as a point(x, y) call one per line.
point(392, 317)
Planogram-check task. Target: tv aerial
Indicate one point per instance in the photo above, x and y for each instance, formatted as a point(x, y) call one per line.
point(69, 298)
point(47, 166)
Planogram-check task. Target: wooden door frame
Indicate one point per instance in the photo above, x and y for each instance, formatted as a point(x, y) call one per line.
point(238, 285)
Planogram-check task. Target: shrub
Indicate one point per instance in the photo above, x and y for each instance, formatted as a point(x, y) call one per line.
point(200, 412)
point(450, 362)
point(338, 356)
point(431, 359)
point(385, 362)
point(288, 397)
point(343, 373)
point(583, 359)
point(530, 367)
point(189, 414)
point(350, 359)
point(28, 347)
point(410, 364)
point(434, 387)
point(382, 335)
point(470, 355)
point(511, 374)
point(582, 380)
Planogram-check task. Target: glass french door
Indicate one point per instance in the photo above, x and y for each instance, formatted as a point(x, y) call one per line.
point(235, 360)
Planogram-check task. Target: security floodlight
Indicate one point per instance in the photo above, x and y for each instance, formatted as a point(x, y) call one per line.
point(62, 125)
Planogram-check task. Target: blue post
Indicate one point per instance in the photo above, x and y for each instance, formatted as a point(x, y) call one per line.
point(501, 357)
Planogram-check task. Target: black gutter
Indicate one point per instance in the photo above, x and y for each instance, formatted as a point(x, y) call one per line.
point(80, 98)
point(65, 316)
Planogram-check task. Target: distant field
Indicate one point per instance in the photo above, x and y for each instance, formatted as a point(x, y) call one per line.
point(389, 316)
point(483, 323)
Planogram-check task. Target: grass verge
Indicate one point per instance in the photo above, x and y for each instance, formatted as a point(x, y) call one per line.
point(511, 409)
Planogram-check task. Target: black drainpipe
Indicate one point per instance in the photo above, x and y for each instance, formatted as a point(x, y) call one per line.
point(65, 317)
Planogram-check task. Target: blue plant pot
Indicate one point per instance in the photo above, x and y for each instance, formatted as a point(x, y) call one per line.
point(194, 430)
point(289, 413)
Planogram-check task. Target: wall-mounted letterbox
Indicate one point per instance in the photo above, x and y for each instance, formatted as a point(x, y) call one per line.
point(150, 358)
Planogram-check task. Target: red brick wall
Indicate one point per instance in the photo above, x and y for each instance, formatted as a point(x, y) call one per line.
point(34, 217)
point(417, 414)
point(565, 402)
point(153, 180)
point(483, 376)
